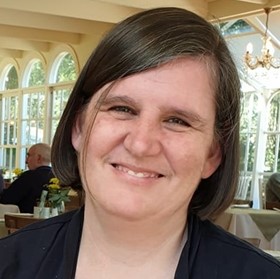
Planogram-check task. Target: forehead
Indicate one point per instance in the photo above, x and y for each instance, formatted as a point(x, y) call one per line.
point(179, 82)
point(31, 150)
point(202, 69)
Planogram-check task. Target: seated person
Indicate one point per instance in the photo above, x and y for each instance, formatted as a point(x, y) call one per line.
point(2, 182)
point(273, 188)
point(27, 188)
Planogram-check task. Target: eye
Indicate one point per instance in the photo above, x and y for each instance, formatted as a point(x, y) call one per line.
point(122, 109)
point(177, 121)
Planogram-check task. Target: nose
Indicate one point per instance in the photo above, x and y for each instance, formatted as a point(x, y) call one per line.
point(143, 139)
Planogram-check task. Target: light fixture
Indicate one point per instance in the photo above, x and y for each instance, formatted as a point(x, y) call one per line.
point(266, 59)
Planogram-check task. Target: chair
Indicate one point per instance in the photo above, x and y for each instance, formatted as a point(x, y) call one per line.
point(243, 186)
point(76, 200)
point(8, 208)
point(243, 202)
point(272, 205)
point(16, 222)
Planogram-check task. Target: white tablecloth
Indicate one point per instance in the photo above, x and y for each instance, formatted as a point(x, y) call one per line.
point(253, 223)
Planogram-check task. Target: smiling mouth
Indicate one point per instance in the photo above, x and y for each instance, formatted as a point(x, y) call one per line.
point(137, 174)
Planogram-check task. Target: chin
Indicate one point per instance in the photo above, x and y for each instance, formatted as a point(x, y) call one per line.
point(131, 211)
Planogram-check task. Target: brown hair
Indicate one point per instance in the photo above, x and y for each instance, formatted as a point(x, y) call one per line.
point(144, 41)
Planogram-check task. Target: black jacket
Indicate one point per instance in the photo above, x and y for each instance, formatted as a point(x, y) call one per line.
point(49, 249)
point(26, 190)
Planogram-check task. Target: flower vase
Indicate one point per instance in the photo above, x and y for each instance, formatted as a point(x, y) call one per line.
point(45, 212)
point(54, 211)
point(61, 208)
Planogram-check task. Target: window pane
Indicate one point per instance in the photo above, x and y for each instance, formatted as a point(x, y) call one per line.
point(249, 113)
point(270, 153)
point(248, 131)
point(59, 100)
point(37, 74)
point(66, 70)
point(273, 121)
point(9, 120)
point(11, 81)
point(33, 118)
point(9, 160)
point(13, 133)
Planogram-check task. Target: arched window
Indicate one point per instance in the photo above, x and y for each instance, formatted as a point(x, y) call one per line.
point(9, 118)
point(34, 100)
point(63, 74)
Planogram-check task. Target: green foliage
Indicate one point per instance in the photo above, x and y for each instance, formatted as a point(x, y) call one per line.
point(37, 74)
point(12, 79)
point(67, 69)
point(57, 196)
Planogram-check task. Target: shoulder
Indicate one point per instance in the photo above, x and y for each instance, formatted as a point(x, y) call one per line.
point(37, 244)
point(42, 169)
point(41, 173)
point(25, 175)
point(223, 253)
point(17, 183)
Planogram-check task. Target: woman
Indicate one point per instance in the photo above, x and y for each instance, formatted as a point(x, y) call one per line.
point(151, 133)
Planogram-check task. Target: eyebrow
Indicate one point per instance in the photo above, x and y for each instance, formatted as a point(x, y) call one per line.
point(115, 99)
point(189, 115)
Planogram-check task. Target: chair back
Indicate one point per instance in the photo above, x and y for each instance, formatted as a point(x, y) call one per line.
point(16, 222)
point(272, 205)
point(8, 208)
point(76, 200)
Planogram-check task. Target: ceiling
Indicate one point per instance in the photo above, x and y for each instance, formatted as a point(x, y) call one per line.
point(32, 25)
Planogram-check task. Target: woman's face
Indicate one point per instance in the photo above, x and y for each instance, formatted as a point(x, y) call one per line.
point(151, 143)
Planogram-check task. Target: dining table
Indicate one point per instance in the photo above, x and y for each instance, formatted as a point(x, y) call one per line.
point(252, 223)
point(3, 229)
point(29, 217)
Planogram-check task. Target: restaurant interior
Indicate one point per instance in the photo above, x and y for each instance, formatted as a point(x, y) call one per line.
point(44, 45)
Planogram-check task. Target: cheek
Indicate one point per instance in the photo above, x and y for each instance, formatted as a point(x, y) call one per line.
point(106, 133)
point(188, 158)
point(101, 141)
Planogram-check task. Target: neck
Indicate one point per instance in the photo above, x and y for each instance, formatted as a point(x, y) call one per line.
point(128, 244)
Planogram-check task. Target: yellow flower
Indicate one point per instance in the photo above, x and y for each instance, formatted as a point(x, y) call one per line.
point(56, 194)
point(54, 180)
point(17, 171)
point(54, 186)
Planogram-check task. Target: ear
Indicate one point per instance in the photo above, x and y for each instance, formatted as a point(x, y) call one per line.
point(213, 161)
point(77, 134)
point(39, 158)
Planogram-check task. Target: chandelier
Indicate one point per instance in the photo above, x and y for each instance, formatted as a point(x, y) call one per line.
point(266, 59)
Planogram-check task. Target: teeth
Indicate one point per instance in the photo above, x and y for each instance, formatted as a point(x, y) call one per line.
point(137, 174)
